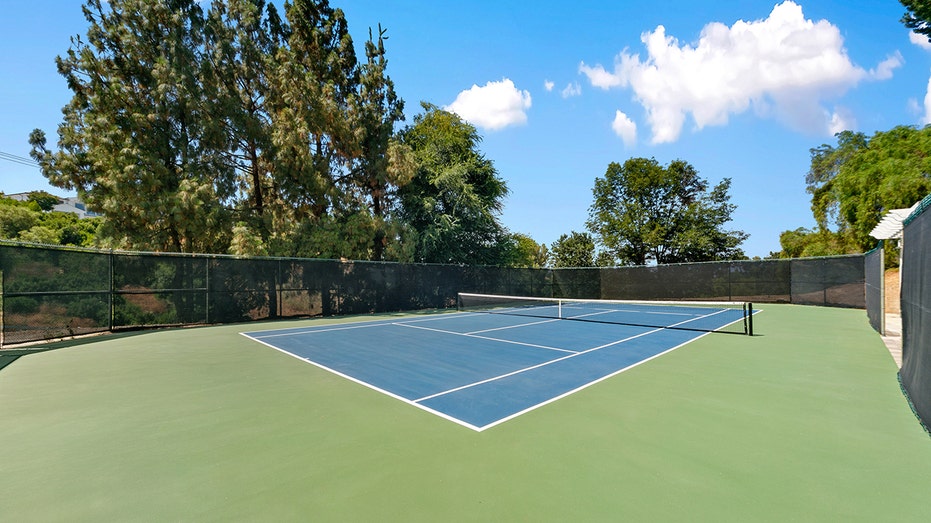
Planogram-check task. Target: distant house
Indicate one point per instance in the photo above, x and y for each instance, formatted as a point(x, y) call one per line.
point(72, 204)
point(75, 206)
point(20, 196)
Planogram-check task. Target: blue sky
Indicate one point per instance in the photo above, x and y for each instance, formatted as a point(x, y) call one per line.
point(739, 89)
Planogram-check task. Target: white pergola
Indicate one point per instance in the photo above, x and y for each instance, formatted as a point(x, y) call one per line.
point(890, 227)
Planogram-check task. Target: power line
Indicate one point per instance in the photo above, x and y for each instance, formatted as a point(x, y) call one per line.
point(22, 160)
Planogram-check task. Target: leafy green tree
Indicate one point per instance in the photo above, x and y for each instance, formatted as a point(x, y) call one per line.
point(72, 230)
point(702, 236)
point(15, 219)
point(855, 183)
point(44, 200)
point(576, 249)
point(246, 243)
point(40, 234)
point(917, 16)
point(826, 162)
point(25, 221)
point(644, 212)
point(605, 258)
point(805, 243)
point(339, 235)
point(451, 205)
point(528, 253)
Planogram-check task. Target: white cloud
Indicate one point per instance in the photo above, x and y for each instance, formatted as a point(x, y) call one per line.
point(573, 89)
point(784, 66)
point(919, 40)
point(625, 128)
point(601, 78)
point(495, 106)
point(926, 118)
point(841, 120)
point(548, 85)
point(883, 71)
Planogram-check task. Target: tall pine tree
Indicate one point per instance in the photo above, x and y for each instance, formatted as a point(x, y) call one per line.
point(139, 140)
point(231, 131)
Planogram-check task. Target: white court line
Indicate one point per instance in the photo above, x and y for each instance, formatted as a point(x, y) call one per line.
point(515, 326)
point(589, 384)
point(467, 335)
point(519, 371)
point(537, 366)
point(463, 423)
point(367, 384)
point(599, 380)
point(310, 329)
point(321, 328)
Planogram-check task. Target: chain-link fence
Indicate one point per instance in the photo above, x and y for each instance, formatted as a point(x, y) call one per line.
point(54, 292)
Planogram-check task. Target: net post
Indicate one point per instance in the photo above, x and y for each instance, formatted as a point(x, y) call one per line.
point(749, 319)
point(559, 309)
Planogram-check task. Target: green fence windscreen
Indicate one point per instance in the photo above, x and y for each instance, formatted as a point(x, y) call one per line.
point(51, 292)
point(916, 309)
point(875, 292)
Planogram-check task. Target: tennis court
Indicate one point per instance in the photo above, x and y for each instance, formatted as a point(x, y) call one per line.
point(804, 421)
point(479, 369)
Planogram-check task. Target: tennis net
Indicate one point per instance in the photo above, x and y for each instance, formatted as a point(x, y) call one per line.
point(704, 316)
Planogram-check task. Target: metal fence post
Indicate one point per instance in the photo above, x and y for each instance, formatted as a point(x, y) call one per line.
point(207, 290)
point(111, 291)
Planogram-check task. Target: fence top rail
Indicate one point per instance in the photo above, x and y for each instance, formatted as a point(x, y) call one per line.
point(723, 262)
point(920, 208)
point(879, 246)
point(120, 252)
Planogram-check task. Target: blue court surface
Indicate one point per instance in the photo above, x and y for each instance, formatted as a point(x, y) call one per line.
point(476, 369)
